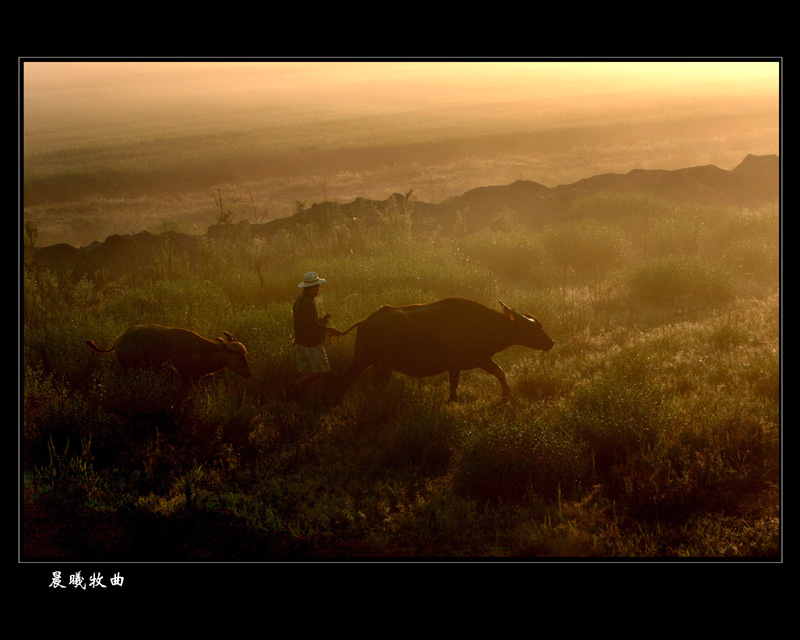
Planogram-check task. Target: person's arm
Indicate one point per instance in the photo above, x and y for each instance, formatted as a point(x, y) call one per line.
point(330, 330)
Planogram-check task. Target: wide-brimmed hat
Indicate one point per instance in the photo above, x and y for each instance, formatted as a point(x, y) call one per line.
point(311, 280)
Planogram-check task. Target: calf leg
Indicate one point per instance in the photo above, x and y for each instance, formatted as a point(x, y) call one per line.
point(454, 378)
point(493, 368)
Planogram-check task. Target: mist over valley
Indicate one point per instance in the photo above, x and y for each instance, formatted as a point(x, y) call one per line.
point(124, 147)
point(550, 309)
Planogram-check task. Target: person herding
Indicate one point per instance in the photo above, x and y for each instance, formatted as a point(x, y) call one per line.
point(310, 332)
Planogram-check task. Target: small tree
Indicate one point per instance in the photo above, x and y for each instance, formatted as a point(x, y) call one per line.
point(225, 216)
point(257, 218)
point(31, 233)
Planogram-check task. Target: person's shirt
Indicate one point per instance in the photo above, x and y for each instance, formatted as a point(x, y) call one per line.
point(308, 330)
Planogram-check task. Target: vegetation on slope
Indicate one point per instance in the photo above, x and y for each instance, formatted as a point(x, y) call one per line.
point(650, 430)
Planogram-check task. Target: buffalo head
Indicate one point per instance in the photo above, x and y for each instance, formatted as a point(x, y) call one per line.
point(527, 330)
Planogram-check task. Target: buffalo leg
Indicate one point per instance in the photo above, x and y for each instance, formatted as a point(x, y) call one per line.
point(349, 376)
point(454, 377)
point(493, 368)
point(383, 374)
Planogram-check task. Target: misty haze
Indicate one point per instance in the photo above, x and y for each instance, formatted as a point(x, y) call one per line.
point(121, 147)
point(174, 212)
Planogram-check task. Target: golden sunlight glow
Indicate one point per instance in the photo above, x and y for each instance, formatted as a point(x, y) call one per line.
point(437, 77)
point(163, 124)
point(537, 92)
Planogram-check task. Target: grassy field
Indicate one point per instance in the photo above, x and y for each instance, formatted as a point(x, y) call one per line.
point(651, 430)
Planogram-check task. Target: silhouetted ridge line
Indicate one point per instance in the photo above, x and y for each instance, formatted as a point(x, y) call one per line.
point(752, 183)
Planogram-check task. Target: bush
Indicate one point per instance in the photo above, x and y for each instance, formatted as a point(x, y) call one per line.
point(673, 236)
point(54, 414)
point(631, 211)
point(512, 459)
point(703, 465)
point(188, 302)
point(615, 420)
point(751, 257)
point(587, 245)
point(516, 258)
point(421, 438)
point(678, 277)
point(621, 410)
point(670, 417)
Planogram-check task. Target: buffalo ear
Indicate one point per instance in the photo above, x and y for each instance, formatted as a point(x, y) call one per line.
point(228, 336)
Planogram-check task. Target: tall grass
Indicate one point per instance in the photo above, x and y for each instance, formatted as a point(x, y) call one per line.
point(676, 278)
point(651, 429)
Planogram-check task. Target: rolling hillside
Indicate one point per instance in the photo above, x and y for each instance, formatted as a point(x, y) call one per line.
point(754, 182)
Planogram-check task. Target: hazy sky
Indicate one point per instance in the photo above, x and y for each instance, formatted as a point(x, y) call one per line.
point(406, 81)
point(655, 72)
point(536, 93)
point(554, 122)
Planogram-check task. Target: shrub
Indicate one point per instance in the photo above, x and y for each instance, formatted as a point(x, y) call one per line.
point(413, 265)
point(421, 438)
point(715, 463)
point(672, 417)
point(679, 277)
point(55, 414)
point(673, 236)
point(618, 413)
point(733, 225)
point(751, 257)
point(631, 211)
point(587, 245)
point(512, 458)
point(514, 257)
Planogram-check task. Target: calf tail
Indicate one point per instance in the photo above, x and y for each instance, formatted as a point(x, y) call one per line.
point(98, 349)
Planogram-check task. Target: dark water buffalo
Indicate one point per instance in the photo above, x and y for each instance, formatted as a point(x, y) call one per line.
point(192, 355)
point(450, 335)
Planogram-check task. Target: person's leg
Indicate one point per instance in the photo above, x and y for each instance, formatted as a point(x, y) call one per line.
point(303, 364)
point(312, 365)
point(307, 378)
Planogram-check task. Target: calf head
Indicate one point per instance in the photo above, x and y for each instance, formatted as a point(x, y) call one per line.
point(527, 330)
point(234, 355)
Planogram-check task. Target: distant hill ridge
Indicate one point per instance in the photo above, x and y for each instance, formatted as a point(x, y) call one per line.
point(754, 182)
